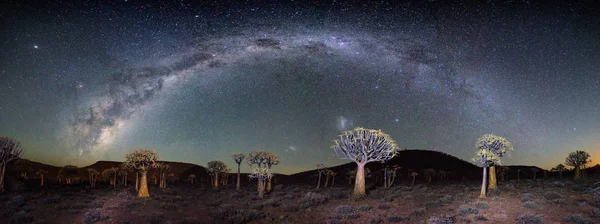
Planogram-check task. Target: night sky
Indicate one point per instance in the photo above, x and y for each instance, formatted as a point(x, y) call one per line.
point(91, 81)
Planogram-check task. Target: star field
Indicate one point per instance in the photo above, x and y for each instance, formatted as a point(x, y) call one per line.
point(199, 81)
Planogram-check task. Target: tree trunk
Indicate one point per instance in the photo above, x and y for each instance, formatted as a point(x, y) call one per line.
point(115, 181)
point(136, 181)
point(125, 180)
point(261, 188)
point(216, 183)
point(319, 182)
point(237, 186)
point(42, 177)
point(484, 184)
point(332, 180)
point(492, 185)
point(2, 177)
point(413, 182)
point(560, 174)
point(269, 185)
point(359, 184)
point(143, 192)
point(577, 174)
point(385, 183)
point(326, 180)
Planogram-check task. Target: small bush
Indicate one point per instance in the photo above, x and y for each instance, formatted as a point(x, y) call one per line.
point(434, 203)
point(365, 207)
point(397, 219)
point(482, 205)
point(418, 212)
point(529, 204)
point(596, 212)
point(559, 201)
point(466, 210)
point(447, 199)
point(441, 220)
point(344, 209)
point(526, 197)
point(375, 220)
point(481, 218)
point(383, 206)
point(353, 216)
point(291, 208)
point(530, 219)
point(549, 195)
point(51, 201)
point(93, 216)
point(577, 219)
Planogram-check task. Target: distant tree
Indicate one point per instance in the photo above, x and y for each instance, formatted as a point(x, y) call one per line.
point(321, 169)
point(23, 166)
point(69, 172)
point(518, 174)
point(444, 175)
point(503, 172)
point(327, 175)
point(215, 168)
point(262, 174)
point(578, 160)
point(270, 160)
point(429, 174)
point(534, 170)
point(238, 158)
point(502, 148)
point(332, 174)
point(41, 173)
point(560, 168)
point(92, 175)
point(110, 175)
point(363, 146)
point(142, 160)
point(389, 175)
point(191, 178)
point(10, 149)
point(163, 169)
point(350, 175)
point(413, 175)
point(490, 148)
point(123, 174)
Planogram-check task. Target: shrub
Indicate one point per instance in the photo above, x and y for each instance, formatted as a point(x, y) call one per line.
point(168, 206)
point(434, 203)
point(447, 199)
point(344, 209)
point(365, 207)
point(559, 201)
point(596, 212)
point(418, 212)
point(549, 195)
point(352, 216)
point(530, 219)
point(526, 197)
point(481, 218)
point(397, 219)
point(482, 205)
point(529, 204)
point(155, 218)
point(441, 220)
point(383, 206)
point(93, 216)
point(375, 220)
point(496, 198)
point(577, 219)
point(52, 200)
point(465, 210)
point(245, 216)
point(291, 208)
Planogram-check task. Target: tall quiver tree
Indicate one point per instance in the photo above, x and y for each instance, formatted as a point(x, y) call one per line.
point(215, 168)
point(490, 148)
point(10, 149)
point(262, 174)
point(238, 158)
point(92, 175)
point(257, 157)
point(577, 160)
point(41, 173)
point(363, 146)
point(69, 172)
point(322, 169)
point(142, 160)
point(560, 168)
point(270, 160)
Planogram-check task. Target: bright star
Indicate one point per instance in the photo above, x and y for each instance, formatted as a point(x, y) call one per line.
point(35, 46)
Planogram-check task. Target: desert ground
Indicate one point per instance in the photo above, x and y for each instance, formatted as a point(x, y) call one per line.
point(550, 200)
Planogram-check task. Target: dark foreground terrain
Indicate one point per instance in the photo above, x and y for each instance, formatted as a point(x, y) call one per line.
point(526, 201)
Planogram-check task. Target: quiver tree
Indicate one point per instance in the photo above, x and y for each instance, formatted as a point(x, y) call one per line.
point(332, 174)
point(110, 175)
point(238, 158)
point(69, 172)
point(350, 175)
point(23, 166)
point(363, 146)
point(92, 175)
point(414, 175)
point(191, 178)
point(123, 174)
point(534, 170)
point(41, 173)
point(142, 160)
point(257, 157)
point(560, 168)
point(262, 174)
point(429, 174)
point(163, 169)
point(215, 168)
point(489, 149)
point(224, 177)
point(578, 160)
point(503, 172)
point(321, 169)
point(270, 160)
point(390, 175)
point(327, 174)
point(10, 149)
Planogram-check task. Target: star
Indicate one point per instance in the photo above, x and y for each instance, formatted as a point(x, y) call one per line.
point(35, 46)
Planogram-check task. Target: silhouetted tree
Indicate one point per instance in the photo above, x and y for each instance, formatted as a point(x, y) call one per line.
point(69, 172)
point(142, 160)
point(163, 169)
point(578, 160)
point(92, 175)
point(215, 168)
point(560, 168)
point(534, 170)
point(390, 175)
point(257, 157)
point(429, 174)
point(191, 178)
point(321, 169)
point(238, 158)
point(23, 166)
point(414, 176)
point(10, 149)
point(489, 150)
point(363, 146)
point(41, 173)
point(262, 174)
